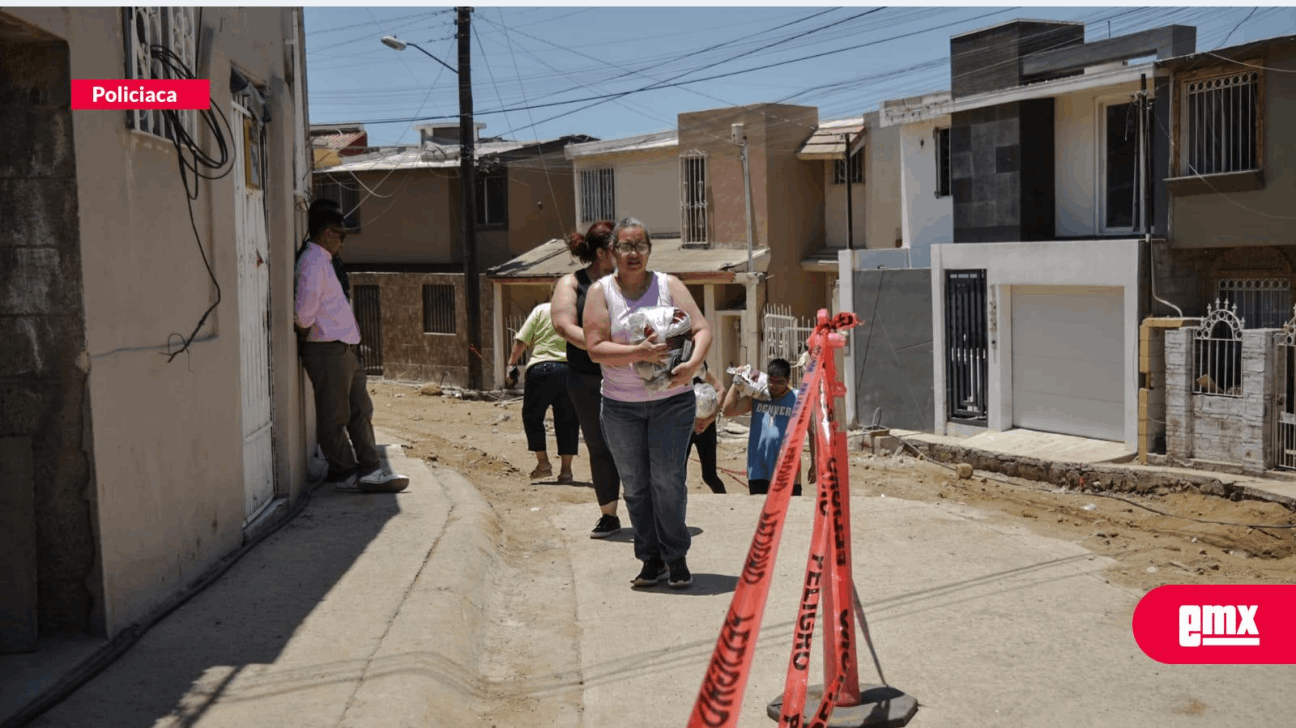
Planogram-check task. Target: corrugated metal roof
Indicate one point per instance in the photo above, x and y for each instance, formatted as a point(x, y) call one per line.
point(656, 140)
point(826, 141)
point(552, 260)
point(337, 141)
point(429, 157)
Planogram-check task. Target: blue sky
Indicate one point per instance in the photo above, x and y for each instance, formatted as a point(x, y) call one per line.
point(544, 72)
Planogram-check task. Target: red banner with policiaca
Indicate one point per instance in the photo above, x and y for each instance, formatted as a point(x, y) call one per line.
point(827, 583)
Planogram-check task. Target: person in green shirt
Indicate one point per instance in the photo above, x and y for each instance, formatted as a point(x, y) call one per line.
point(546, 387)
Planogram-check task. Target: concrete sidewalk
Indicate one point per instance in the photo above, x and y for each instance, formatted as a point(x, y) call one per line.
point(984, 625)
point(357, 613)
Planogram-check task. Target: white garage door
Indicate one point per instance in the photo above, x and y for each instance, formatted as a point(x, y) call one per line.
point(1068, 364)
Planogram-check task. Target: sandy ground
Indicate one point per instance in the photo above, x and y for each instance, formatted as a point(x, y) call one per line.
point(1167, 538)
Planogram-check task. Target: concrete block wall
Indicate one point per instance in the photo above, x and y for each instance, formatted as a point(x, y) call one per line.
point(46, 470)
point(1215, 427)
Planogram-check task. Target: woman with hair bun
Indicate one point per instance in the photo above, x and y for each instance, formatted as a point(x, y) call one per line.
point(584, 377)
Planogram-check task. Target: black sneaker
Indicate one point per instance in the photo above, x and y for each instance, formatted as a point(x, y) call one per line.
point(606, 526)
point(679, 574)
point(652, 573)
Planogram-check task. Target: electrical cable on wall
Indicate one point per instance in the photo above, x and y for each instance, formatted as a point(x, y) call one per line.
point(194, 160)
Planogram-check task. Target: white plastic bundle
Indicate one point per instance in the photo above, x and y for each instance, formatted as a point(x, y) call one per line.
point(665, 324)
point(751, 382)
point(708, 400)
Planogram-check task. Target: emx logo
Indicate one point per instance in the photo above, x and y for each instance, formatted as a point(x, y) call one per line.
point(1218, 624)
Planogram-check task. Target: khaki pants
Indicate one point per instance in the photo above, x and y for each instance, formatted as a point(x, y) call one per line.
point(342, 406)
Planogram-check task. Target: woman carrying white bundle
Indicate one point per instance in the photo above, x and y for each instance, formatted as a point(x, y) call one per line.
point(647, 429)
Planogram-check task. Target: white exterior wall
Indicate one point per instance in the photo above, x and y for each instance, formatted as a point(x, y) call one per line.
point(926, 219)
point(835, 222)
point(1110, 263)
point(646, 186)
point(1077, 129)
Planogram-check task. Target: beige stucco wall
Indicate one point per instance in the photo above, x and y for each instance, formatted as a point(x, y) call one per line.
point(882, 171)
point(540, 205)
point(835, 218)
point(646, 186)
point(414, 217)
point(168, 456)
point(415, 224)
point(1254, 217)
point(787, 192)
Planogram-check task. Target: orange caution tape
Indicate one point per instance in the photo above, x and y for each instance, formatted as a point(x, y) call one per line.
point(719, 700)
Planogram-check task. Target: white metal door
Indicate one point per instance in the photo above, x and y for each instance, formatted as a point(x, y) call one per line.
point(1068, 361)
point(254, 313)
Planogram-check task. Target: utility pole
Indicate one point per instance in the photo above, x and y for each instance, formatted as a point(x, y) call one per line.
point(468, 195)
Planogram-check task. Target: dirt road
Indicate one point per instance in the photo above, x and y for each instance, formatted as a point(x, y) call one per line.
point(1168, 538)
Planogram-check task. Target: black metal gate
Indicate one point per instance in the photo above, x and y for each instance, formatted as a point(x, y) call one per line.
point(369, 317)
point(966, 352)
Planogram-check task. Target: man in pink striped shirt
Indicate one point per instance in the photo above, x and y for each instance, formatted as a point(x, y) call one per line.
point(328, 352)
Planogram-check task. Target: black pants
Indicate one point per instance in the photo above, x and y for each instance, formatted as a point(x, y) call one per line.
point(705, 442)
point(761, 487)
point(546, 386)
point(586, 395)
point(342, 406)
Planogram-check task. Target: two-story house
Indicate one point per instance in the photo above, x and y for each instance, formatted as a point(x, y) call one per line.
point(152, 412)
point(1038, 299)
point(405, 252)
point(736, 234)
point(1219, 357)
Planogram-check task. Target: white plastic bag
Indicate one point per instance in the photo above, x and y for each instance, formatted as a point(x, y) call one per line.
point(752, 383)
point(708, 400)
point(665, 324)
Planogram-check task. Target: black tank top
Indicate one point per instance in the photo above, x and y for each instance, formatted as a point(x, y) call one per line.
point(577, 358)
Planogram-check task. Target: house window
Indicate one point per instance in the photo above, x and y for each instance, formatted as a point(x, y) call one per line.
point(598, 195)
point(1221, 123)
point(943, 187)
point(492, 199)
point(693, 185)
point(438, 309)
point(1261, 303)
point(347, 195)
point(856, 169)
point(159, 45)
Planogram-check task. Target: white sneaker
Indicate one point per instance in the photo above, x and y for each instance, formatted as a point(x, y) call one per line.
point(347, 484)
point(383, 480)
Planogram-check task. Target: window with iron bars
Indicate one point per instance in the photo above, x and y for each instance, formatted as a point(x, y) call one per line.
point(1221, 124)
point(1261, 303)
point(150, 33)
point(598, 195)
point(693, 204)
point(439, 309)
point(347, 195)
point(856, 169)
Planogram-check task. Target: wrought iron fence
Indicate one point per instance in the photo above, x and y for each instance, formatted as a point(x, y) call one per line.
point(1217, 352)
point(966, 350)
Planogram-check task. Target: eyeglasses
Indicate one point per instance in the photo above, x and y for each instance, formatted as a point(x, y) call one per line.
point(642, 247)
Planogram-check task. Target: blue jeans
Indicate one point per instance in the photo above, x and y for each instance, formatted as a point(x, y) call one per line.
point(649, 441)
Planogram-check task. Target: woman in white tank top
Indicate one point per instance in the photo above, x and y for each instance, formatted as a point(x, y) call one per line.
point(647, 431)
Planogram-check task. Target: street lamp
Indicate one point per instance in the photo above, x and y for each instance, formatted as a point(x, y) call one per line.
point(467, 191)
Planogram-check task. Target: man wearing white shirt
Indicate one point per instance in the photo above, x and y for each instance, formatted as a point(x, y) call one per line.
point(328, 352)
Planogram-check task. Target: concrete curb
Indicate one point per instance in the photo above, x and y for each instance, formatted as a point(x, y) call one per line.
point(438, 635)
point(1098, 476)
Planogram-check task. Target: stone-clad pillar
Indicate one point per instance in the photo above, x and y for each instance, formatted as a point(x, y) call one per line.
point(1178, 392)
